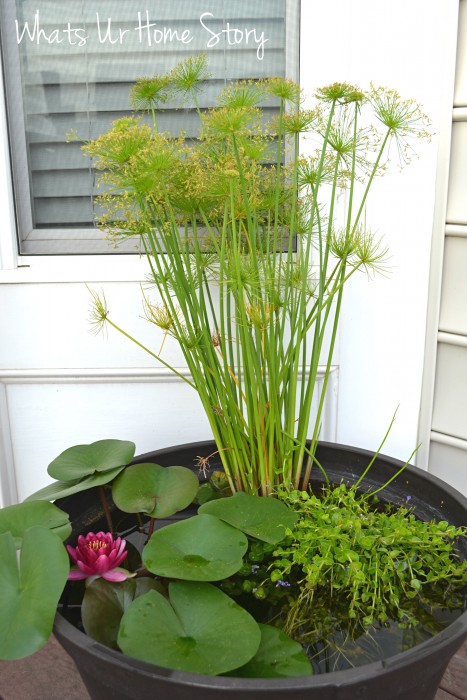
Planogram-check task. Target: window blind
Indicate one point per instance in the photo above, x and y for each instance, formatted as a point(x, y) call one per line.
point(70, 64)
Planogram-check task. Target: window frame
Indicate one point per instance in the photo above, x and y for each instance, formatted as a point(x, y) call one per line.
point(33, 242)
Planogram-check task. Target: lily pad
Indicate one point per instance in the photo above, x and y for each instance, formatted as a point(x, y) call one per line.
point(30, 590)
point(278, 656)
point(85, 460)
point(201, 548)
point(263, 517)
point(200, 630)
point(155, 490)
point(18, 518)
point(104, 604)
point(60, 489)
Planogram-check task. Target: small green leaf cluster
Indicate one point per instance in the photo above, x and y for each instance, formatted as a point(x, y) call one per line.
point(254, 577)
point(374, 559)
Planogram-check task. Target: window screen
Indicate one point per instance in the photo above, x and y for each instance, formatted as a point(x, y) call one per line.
point(70, 64)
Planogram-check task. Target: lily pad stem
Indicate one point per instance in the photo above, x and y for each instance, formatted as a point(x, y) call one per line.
point(152, 522)
point(105, 507)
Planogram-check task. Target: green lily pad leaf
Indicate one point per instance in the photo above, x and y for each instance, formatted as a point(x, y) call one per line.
point(84, 460)
point(263, 517)
point(104, 604)
point(18, 518)
point(60, 489)
point(30, 590)
point(278, 656)
point(205, 493)
point(200, 630)
point(201, 548)
point(155, 490)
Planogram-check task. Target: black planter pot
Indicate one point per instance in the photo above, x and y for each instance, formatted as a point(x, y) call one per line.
point(411, 675)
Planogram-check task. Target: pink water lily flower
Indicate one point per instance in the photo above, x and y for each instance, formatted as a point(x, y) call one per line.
point(98, 555)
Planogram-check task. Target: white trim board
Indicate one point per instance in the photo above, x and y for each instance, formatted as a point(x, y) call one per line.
point(8, 487)
point(450, 440)
point(111, 374)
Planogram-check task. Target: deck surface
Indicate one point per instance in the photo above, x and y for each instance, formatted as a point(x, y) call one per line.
point(454, 683)
point(51, 675)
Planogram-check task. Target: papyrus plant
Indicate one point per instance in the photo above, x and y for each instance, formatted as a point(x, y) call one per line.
point(249, 247)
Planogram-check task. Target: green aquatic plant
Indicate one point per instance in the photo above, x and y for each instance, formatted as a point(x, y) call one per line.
point(248, 248)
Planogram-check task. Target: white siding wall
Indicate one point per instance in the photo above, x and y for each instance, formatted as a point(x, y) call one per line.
point(59, 385)
point(448, 377)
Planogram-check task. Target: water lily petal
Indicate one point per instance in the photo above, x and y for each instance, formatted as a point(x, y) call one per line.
point(72, 552)
point(117, 575)
point(102, 564)
point(76, 575)
point(98, 554)
point(85, 568)
point(116, 559)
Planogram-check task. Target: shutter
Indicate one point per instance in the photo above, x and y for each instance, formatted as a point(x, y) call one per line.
point(76, 61)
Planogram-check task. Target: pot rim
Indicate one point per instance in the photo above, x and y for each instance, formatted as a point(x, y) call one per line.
point(456, 631)
point(452, 636)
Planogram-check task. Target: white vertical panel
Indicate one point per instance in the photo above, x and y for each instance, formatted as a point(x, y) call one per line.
point(460, 94)
point(8, 486)
point(450, 397)
point(457, 199)
point(450, 464)
point(453, 314)
point(8, 251)
point(448, 444)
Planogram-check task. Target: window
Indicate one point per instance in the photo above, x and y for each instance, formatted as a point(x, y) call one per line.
point(69, 64)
